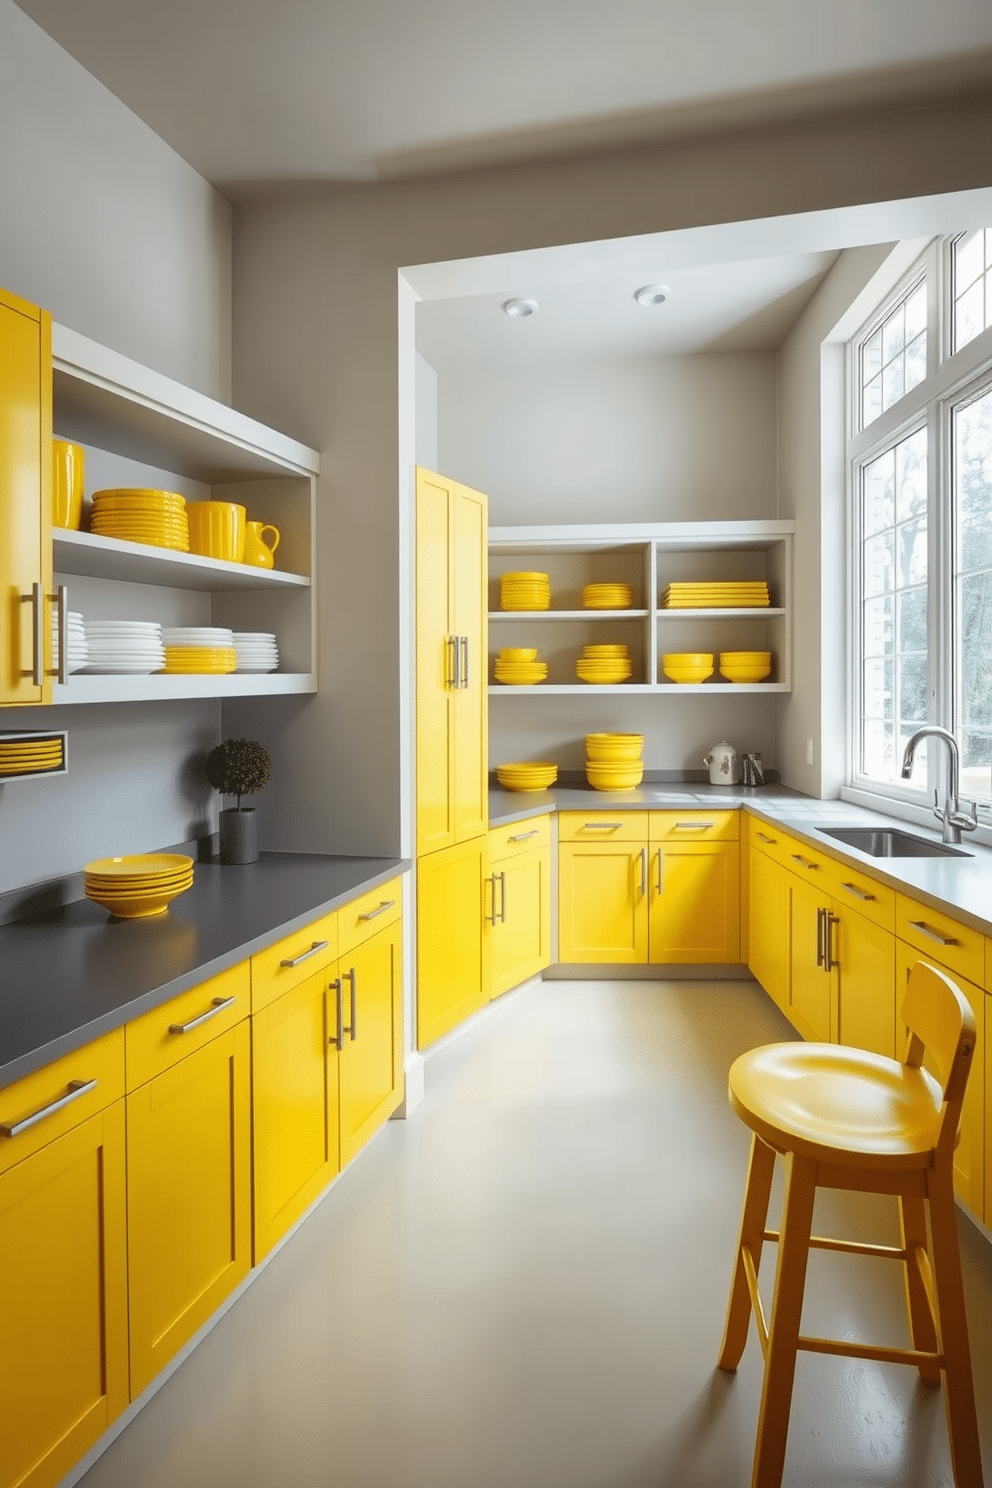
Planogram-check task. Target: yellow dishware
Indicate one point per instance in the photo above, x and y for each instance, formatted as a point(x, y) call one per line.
point(614, 776)
point(518, 653)
point(217, 529)
point(531, 775)
point(258, 552)
point(139, 865)
point(687, 666)
point(68, 470)
point(745, 666)
point(613, 748)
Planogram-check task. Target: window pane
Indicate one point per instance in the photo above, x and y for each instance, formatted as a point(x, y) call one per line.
point(893, 382)
point(972, 300)
point(893, 335)
point(879, 564)
point(877, 632)
point(878, 749)
point(916, 361)
point(969, 260)
point(911, 476)
point(912, 616)
point(911, 553)
point(969, 316)
point(879, 494)
point(976, 649)
point(871, 357)
point(878, 697)
point(913, 690)
point(871, 405)
point(916, 312)
point(893, 357)
point(973, 577)
point(976, 751)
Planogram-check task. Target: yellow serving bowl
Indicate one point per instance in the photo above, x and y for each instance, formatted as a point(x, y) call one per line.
point(614, 748)
point(738, 670)
point(135, 906)
point(518, 653)
point(604, 776)
point(529, 775)
point(687, 666)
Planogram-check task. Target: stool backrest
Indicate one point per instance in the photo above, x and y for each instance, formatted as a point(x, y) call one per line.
point(942, 1025)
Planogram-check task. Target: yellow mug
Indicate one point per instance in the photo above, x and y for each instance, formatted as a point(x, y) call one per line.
point(257, 551)
point(68, 468)
point(216, 529)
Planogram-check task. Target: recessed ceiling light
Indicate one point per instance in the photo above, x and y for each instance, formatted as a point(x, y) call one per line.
point(652, 294)
point(519, 309)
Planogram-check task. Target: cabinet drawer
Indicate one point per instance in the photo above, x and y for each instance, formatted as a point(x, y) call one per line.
point(603, 826)
point(770, 839)
point(521, 837)
point(694, 826)
point(363, 917)
point(293, 959)
point(159, 1039)
point(859, 891)
point(940, 938)
point(99, 1065)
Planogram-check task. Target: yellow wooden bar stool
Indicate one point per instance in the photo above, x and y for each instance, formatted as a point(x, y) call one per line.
point(844, 1118)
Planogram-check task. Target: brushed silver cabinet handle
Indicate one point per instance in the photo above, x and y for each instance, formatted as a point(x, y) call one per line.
point(502, 899)
point(804, 862)
point(762, 838)
point(374, 914)
point(75, 1090)
point(644, 870)
point(858, 894)
point(338, 1039)
point(601, 826)
point(465, 661)
point(37, 634)
point(819, 937)
point(217, 1006)
point(349, 976)
point(693, 826)
point(925, 929)
point(317, 945)
point(829, 921)
point(490, 919)
point(451, 661)
point(661, 860)
point(523, 836)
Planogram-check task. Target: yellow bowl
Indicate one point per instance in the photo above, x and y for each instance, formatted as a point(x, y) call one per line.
point(688, 667)
point(614, 747)
point(745, 658)
point(518, 653)
point(688, 658)
point(537, 775)
point(746, 673)
point(594, 653)
point(136, 906)
point(614, 777)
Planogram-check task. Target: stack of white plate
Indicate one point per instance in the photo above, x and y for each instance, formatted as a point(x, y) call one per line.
point(124, 646)
point(78, 649)
point(256, 651)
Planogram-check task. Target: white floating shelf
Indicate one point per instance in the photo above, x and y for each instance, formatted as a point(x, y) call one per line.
point(94, 557)
point(117, 688)
point(568, 614)
point(751, 613)
point(638, 689)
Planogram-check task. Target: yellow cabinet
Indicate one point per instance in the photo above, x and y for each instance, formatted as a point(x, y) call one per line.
point(63, 1272)
point(813, 988)
point(189, 1191)
point(694, 893)
point(518, 904)
point(370, 1079)
point(865, 955)
point(768, 905)
point(451, 651)
point(603, 901)
point(25, 502)
point(452, 968)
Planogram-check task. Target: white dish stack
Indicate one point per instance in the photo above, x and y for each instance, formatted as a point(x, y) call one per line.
point(257, 651)
point(124, 646)
point(78, 651)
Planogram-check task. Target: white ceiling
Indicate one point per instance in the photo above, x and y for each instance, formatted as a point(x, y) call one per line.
point(256, 91)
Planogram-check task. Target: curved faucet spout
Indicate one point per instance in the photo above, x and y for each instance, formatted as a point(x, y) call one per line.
point(952, 818)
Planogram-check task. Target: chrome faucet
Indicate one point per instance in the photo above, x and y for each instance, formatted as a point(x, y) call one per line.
point(953, 819)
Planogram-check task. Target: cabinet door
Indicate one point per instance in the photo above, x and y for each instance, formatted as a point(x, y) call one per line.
point(518, 919)
point(63, 1300)
point(812, 990)
point(469, 581)
point(294, 1105)
point(768, 902)
point(435, 664)
point(188, 1197)
point(371, 1059)
point(866, 955)
point(602, 902)
point(452, 974)
point(25, 499)
point(694, 903)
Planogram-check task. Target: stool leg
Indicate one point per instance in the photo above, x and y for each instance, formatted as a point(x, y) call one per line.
point(913, 1226)
point(761, 1168)
point(959, 1391)
point(783, 1333)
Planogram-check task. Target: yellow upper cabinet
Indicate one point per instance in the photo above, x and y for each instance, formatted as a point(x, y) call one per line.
point(451, 654)
point(25, 502)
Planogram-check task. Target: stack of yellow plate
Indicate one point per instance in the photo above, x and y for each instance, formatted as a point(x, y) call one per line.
point(607, 597)
point(137, 514)
point(623, 749)
point(30, 755)
point(139, 886)
point(210, 661)
point(745, 666)
point(525, 591)
point(529, 776)
point(604, 664)
point(718, 595)
point(517, 666)
point(687, 666)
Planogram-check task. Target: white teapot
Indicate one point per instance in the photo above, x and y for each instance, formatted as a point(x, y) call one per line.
point(724, 764)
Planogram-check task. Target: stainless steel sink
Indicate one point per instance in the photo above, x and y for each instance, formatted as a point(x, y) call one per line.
point(889, 842)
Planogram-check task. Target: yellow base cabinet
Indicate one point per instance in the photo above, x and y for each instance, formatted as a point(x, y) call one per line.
point(63, 1294)
point(603, 902)
point(189, 1168)
point(370, 1079)
point(813, 988)
point(694, 893)
point(518, 903)
point(768, 939)
point(866, 957)
point(452, 969)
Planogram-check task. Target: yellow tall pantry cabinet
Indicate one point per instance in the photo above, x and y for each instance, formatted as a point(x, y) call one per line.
point(25, 501)
point(451, 751)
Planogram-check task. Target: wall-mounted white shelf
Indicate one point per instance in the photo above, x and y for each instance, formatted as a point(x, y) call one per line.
point(509, 616)
point(84, 553)
point(155, 687)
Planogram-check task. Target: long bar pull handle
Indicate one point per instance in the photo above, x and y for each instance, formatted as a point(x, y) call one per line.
point(829, 921)
point(502, 898)
point(217, 1006)
point(694, 826)
point(37, 634)
point(803, 862)
point(338, 1039)
point(858, 893)
point(523, 836)
point(762, 838)
point(451, 661)
point(819, 937)
point(374, 914)
point(76, 1089)
point(349, 976)
point(644, 870)
point(465, 662)
point(925, 929)
point(661, 870)
point(490, 919)
point(601, 826)
point(62, 604)
point(317, 945)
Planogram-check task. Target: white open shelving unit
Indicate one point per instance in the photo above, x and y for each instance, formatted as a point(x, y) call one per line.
point(648, 558)
point(108, 403)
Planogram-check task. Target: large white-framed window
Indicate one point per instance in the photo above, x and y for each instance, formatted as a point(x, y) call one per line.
point(920, 530)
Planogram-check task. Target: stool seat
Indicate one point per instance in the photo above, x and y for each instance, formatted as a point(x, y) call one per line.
point(834, 1104)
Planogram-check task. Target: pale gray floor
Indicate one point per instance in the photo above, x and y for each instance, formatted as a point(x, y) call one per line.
point(523, 1286)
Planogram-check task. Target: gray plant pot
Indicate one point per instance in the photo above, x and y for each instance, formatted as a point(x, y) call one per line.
point(238, 836)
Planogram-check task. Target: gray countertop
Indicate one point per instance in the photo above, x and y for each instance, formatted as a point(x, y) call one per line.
point(70, 974)
point(960, 886)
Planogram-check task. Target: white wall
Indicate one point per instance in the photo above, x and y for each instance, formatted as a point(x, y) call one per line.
point(102, 223)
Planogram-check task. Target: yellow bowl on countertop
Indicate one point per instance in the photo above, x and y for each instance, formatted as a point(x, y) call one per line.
point(614, 748)
point(528, 775)
point(610, 776)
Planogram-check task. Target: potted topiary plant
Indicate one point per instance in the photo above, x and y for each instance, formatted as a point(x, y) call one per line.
point(238, 767)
